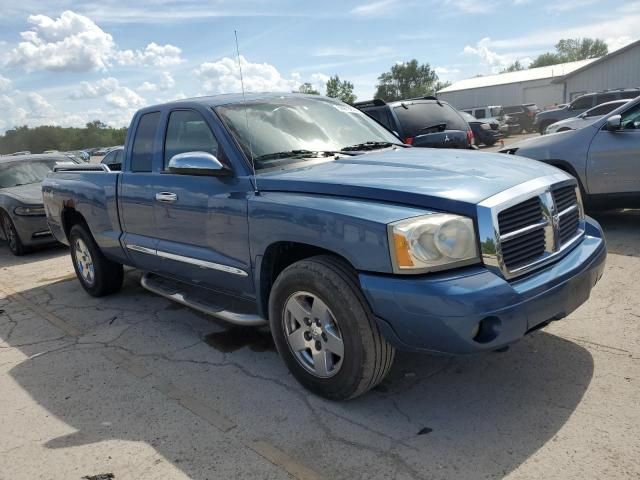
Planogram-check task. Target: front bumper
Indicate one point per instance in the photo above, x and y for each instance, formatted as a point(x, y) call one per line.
point(33, 230)
point(441, 313)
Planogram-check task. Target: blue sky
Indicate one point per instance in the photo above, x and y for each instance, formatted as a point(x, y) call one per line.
point(66, 62)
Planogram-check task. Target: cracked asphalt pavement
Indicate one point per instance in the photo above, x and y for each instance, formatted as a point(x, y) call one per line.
point(138, 387)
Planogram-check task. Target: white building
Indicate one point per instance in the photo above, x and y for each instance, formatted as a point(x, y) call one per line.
point(547, 86)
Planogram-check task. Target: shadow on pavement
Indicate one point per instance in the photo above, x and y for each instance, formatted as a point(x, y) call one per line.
point(622, 230)
point(433, 417)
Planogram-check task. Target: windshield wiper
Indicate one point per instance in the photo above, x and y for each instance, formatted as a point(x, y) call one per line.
point(439, 127)
point(359, 147)
point(298, 154)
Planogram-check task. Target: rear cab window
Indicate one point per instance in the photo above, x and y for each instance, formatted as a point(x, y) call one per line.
point(142, 153)
point(416, 116)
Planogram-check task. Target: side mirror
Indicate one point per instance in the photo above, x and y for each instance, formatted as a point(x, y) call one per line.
point(197, 163)
point(613, 123)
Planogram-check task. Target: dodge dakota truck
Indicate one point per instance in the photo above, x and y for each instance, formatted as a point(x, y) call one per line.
point(302, 213)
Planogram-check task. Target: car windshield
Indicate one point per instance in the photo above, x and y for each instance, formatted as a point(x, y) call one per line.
point(277, 131)
point(24, 172)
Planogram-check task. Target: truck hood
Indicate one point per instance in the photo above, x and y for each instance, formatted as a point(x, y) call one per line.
point(30, 194)
point(438, 179)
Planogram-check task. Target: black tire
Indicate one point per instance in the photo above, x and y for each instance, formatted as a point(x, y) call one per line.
point(11, 235)
point(490, 143)
point(543, 126)
point(107, 275)
point(367, 355)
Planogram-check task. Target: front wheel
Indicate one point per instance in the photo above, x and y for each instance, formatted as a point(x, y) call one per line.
point(98, 275)
point(11, 235)
point(324, 330)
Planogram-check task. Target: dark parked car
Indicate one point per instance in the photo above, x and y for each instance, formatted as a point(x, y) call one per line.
point(524, 115)
point(421, 122)
point(485, 132)
point(23, 223)
point(113, 159)
point(580, 105)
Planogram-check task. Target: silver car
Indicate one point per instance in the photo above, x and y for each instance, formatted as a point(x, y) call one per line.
point(584, 119)
point(23, 223)
point(604, 156)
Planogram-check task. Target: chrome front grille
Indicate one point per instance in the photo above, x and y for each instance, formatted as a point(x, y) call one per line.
point(530, 225)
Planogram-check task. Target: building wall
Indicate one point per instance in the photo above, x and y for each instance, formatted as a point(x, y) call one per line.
point(619, 71)
point(542, 92)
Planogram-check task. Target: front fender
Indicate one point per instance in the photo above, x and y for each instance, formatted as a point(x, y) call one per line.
point(352, 228)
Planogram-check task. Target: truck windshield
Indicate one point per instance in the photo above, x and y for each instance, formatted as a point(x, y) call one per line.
point(24, 172)
point(293, 124)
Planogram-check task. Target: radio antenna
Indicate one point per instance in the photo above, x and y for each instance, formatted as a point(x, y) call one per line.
point(246, 117)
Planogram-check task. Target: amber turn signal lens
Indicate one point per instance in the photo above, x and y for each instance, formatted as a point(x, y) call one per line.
point(403, 258)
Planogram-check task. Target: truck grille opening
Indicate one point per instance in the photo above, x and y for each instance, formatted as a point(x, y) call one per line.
point(523, 249)
point(533, 231)
point(520, 216)
point(566, 202)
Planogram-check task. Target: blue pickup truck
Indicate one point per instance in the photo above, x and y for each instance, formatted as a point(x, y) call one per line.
point(302, 213)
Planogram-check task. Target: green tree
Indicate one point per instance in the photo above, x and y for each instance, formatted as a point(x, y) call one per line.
point(308, 88)
point(49, 137)
point(340, 89)
point(514, 67)
point(572, 50)
point(407, 80)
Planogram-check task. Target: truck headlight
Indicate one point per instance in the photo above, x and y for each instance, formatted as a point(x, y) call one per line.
point(30, 211)
point(432, 242)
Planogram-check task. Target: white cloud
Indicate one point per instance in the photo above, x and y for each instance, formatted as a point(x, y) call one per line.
point(153, 55)
point(96, 89)
point(124, 97)
point(5, 84)
point(624, 24)
point(38, 106)
point(375, 9)
point(615, 43)
point(114, 94)
point(71, 42)
point(223, 76)
point(166, 82)
point(489, 57)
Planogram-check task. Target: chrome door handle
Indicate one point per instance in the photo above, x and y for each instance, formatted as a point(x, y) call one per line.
point(166, 197)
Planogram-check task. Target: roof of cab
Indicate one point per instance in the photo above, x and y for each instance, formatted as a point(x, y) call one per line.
point(229, 98)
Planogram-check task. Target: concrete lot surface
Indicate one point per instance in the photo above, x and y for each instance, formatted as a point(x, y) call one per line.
point(139, 387)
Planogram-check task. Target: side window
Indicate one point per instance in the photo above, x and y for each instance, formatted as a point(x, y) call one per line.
point(380, 114)
point(109, 158)
point(605, 97)
point(187, 131)
point(142, 155)
point(582, 103)
point(630, 94)
point(480, 113)
point(602, 109)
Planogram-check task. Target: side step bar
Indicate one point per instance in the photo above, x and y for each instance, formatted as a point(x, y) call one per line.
point(198, 299)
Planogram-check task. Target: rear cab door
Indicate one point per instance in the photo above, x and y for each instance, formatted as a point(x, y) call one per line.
point(136, 195)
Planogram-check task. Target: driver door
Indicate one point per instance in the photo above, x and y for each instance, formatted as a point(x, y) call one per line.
point(201, 221)
point(614, 157)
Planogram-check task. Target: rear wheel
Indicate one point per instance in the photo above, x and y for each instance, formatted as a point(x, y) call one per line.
point(98, 275)
point(11, 235)
point(324, 330)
